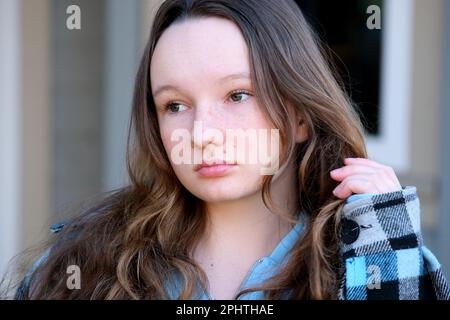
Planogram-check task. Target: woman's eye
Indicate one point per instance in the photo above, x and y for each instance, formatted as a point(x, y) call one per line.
point(239, 96)
point(175, 107)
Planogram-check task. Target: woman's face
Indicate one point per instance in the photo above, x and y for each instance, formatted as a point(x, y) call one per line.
point(202, 91)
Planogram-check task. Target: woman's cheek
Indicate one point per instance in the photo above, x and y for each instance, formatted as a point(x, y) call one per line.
point(168, 144)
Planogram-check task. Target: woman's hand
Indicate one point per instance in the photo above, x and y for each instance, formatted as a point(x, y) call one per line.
point(360, 175)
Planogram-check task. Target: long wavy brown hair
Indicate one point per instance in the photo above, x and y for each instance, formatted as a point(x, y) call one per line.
point(137, 238)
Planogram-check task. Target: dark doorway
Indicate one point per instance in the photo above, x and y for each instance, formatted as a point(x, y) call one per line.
point(357, 49)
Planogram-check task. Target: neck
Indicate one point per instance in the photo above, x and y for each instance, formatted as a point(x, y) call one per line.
point(248, 224)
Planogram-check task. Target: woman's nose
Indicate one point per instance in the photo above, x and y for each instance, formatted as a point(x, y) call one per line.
point(207, 128)
point(203, 136)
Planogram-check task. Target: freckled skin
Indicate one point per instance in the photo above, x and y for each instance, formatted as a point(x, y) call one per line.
point(193, 56)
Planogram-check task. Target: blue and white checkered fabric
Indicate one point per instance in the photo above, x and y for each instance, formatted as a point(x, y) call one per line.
point(388, 259)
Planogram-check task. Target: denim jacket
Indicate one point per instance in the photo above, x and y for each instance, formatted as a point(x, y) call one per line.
point(382, 253)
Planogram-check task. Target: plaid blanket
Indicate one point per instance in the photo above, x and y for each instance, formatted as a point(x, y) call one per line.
point(383, 256)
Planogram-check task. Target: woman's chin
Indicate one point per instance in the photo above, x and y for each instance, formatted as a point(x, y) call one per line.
point(221, 193)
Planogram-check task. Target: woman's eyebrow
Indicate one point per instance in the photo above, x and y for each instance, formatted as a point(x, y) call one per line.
point(234, 76)
point(240, 75)
point(163, 88)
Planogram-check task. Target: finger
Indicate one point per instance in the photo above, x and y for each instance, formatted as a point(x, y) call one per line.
point(375, 183)
point(352, 169)
point(375, 164)
point(362, 161)
point(354, 184)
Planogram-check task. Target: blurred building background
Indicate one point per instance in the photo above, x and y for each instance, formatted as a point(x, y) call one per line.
point(65, 99)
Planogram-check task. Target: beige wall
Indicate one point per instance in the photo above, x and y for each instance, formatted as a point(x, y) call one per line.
point(149, 8)
point(36, 112)
point(426, 72)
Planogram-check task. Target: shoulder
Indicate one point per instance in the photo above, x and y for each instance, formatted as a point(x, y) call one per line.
point(65, 233)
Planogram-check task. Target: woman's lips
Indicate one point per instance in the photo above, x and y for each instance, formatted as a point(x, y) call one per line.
point(216, 170)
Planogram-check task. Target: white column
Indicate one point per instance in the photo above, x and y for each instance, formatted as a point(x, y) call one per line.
point(392, 145)
point(24, 125)
point(10, 130)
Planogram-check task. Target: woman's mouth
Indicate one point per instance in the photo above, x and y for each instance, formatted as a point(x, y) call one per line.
point(214, 170)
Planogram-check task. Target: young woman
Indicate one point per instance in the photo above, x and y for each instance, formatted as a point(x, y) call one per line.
point(327, 224)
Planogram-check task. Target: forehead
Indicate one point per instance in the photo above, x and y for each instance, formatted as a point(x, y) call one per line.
point(203, 49)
